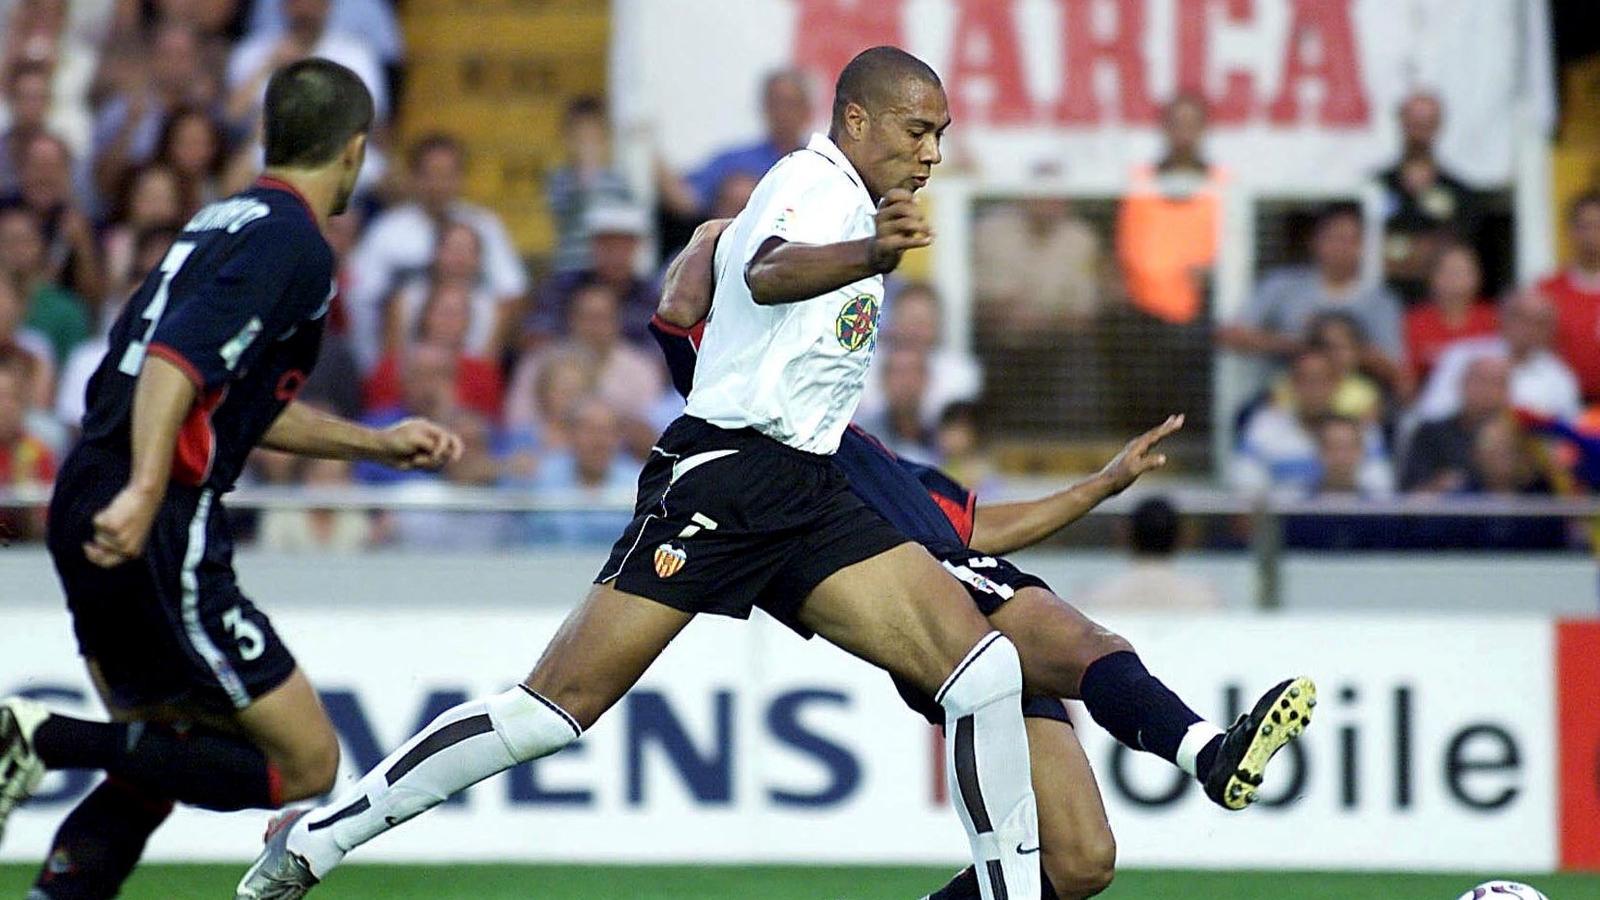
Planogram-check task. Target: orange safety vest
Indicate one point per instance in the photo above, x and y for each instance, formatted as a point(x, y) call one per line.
point(1161, 239)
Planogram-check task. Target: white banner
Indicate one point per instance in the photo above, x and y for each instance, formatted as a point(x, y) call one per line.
point(1434, 746)
point(1302, 92)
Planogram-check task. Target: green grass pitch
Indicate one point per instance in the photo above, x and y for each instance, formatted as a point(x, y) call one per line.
point(494, 882)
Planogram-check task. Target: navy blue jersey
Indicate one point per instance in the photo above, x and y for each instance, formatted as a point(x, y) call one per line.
point(238, 304)
point(921, 502)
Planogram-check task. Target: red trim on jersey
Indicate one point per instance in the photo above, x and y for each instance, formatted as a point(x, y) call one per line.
point(960, 515)
point(197, 443)
point(182, 362)
point(694, 333)
point(278, 184)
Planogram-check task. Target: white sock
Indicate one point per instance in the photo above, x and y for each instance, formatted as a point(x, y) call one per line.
point(460, 748)
point(1195, 740)
point(991, 783)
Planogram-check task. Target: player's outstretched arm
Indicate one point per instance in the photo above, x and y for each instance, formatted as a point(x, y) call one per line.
point(1001, 528)
point(784, 272)
point(161, 400)
point(411, 444)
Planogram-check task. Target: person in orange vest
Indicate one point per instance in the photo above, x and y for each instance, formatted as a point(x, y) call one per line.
point(1168, 223)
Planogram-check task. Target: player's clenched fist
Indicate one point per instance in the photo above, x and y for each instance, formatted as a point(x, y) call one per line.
point(121, 529)
point(900, 227)
point(420, 444)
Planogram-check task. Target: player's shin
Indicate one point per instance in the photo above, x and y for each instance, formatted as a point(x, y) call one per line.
point(1143, 713)
point(986, 746)
point(460, 748)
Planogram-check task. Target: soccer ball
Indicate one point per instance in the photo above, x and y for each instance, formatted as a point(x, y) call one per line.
point(1502, 890)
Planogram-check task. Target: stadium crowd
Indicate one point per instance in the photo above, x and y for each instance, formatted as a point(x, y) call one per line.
point(121, 118)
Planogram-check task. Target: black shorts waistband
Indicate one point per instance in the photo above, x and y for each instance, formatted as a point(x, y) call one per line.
point(751, 435)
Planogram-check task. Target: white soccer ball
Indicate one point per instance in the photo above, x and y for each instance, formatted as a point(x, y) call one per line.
point(1502, 890)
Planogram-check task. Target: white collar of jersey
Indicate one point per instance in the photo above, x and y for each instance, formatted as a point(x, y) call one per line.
point(821, 143)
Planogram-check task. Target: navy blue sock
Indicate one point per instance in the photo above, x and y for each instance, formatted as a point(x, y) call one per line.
point(196, 765)
point(1140, 711)
point(965, 887)
point(100, 842)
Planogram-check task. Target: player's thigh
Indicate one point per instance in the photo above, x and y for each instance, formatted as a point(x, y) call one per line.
point(1079, 852)
point(601, 649)
point(292, 728)
point(899, 610)
point(1055, 641)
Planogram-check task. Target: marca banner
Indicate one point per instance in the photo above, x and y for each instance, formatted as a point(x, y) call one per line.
point(1434, 746)
point(1302, 92)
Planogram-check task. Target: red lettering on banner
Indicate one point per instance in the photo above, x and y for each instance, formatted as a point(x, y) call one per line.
point(829, 33)
point(1578, 724)
point(1123, 49)
point(1237, 100)
point(1325, 26)
point(985, 66)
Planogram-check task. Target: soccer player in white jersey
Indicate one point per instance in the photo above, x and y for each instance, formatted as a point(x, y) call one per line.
point(740, 505)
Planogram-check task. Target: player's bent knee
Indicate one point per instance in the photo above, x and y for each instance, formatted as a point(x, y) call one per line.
point(991, 672)
point(1083, 867)
point(311, 771)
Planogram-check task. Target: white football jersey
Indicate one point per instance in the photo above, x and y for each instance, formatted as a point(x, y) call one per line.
point(793, 371)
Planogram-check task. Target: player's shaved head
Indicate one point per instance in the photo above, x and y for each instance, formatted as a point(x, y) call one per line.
point(875, 78)
point(889, 114)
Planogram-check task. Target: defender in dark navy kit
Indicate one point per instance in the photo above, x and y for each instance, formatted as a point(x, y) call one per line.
point(204, 365)
point(1064, 654)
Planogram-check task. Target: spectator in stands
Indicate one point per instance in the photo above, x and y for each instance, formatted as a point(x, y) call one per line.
point(960, 448)
point(786, 110)
point(1278, 447)
point(21, 345)
point(1501, 464)
point(628, 378)
point(194, 147)
point(1426, 205)
point(1455, 309)
point(1154, 534)
point(63, 39)
point(25, 460)
point(900, 424)
point(1340, 337)
point(28, 106)
point(151, 199)
point(1037, 268)
point(733, 194)
point(45, 184)
point(129, 126)
point(1285, 301)
point(1540, 381)
point(1439, 456)
point(403, 241)
point(1575, 291)
point(457, 265)
point(51, 310)
point(594, 469)
point(477, 468)
point(427, 390)
point(615, 236)
point(445, 323)
point(587, 180)
point(1167, 224)
point(306, 33)
point(914, 319)
point(1343, 464)
point(538, 419)
point(317, 529)
point(374, 20)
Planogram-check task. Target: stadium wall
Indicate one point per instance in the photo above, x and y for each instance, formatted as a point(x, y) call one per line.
point(1465, 742)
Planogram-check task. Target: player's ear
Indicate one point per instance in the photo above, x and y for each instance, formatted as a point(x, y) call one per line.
point(856, 120)
point(355, 149)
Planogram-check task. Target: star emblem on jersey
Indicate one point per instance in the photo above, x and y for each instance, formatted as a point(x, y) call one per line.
point(857, 325)
point(669, 559)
